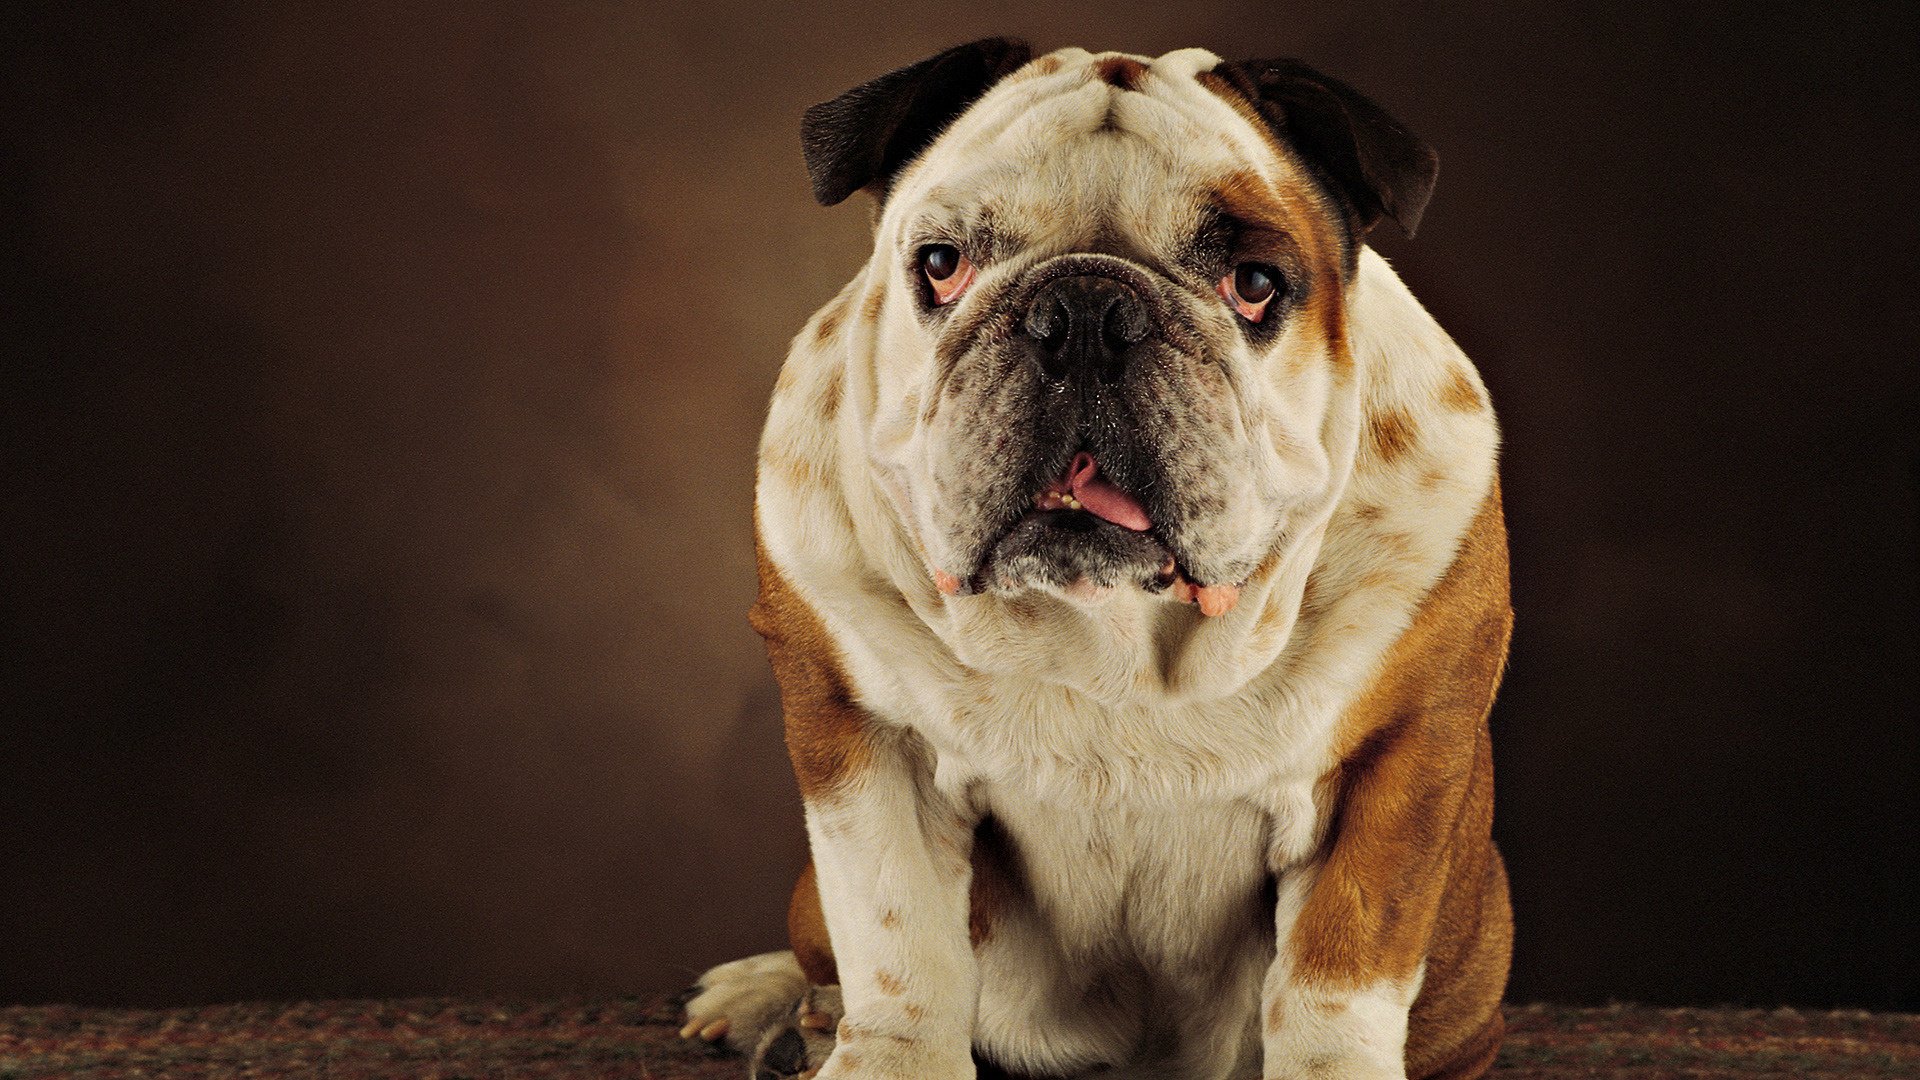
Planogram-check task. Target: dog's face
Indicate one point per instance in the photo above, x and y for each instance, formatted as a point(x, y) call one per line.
point(1111, 320)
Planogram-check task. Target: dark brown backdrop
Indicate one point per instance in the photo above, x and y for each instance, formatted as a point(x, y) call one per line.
point(378, 406)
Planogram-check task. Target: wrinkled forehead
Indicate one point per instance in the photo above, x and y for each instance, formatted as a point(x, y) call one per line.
point(1077, 145)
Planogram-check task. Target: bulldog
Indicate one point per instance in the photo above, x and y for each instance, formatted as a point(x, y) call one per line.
point(1133, 570)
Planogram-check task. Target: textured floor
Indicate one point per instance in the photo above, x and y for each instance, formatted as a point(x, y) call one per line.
point(615, 1039)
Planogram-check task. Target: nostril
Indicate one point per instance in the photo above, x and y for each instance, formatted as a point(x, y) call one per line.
point(1049, 324)
point(1125, 324)
point(1056, 335)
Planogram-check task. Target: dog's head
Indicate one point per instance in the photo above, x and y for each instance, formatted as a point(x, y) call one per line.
point(1106, 304)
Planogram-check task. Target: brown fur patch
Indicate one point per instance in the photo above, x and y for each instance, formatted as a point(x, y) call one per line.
point(807, 932)
point(802, 472)
point(830, 319)
point(1391, 432)
point(876, 299)
point(1460, 394)
point(826, 729)
point(1121, 71)
point(1410, 873)
point(1249, 198)
point(889, 983)
point(830, 399)
point(889, 920)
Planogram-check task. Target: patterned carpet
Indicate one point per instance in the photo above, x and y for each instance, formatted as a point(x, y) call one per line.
point(631, 1037)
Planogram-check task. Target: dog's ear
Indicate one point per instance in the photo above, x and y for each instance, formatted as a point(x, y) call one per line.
point(867, 134)
point(1369, 159)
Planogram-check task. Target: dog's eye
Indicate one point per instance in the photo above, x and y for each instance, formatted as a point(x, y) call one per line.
point(948, 272)
point(1250, 289)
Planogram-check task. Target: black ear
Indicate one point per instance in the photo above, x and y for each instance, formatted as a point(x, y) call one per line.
point(868, 133)
point(1370, 160)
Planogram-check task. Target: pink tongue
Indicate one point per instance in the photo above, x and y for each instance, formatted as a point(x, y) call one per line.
point(1102, 499)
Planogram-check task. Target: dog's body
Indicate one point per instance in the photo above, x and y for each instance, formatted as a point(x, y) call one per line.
point(1135, 681)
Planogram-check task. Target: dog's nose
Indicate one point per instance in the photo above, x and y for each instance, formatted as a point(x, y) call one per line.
point(1085, 325)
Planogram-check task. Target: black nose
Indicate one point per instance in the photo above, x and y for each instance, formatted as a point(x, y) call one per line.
point(1085, 325)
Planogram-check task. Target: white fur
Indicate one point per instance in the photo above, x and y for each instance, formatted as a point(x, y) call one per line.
point(1153, 767)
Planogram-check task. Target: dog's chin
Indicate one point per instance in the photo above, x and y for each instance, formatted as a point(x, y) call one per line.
point(1074, 554)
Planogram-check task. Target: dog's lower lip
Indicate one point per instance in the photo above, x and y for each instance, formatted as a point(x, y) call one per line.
point(976, 580)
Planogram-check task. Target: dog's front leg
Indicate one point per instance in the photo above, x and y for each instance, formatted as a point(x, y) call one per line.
point(891, 858)
point(1407, 886)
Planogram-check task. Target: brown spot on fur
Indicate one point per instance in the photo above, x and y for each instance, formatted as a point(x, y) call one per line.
point(830, 318)
point(830, 399)
point(1410, 873)
point(1460, 394)
point(1391, 433)
point(1046, 65)
point(1377, 579)
point(803, 472)
point(914, 1012)
point(807, 931)
point(1248, 197)
point(889, 919)
point(1121, 71)
point(1368, 512)
point(826, 729)
point(876, 299)
point(1276, 1014)
point(889, 983)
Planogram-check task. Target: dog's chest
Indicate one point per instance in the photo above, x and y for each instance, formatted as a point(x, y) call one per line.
point(1165, 886)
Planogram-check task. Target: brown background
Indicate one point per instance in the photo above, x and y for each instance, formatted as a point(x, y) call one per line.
point(378, 407)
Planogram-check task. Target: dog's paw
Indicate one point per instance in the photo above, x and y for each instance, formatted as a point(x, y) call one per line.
point(739, 1003)
point(799, 1045)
